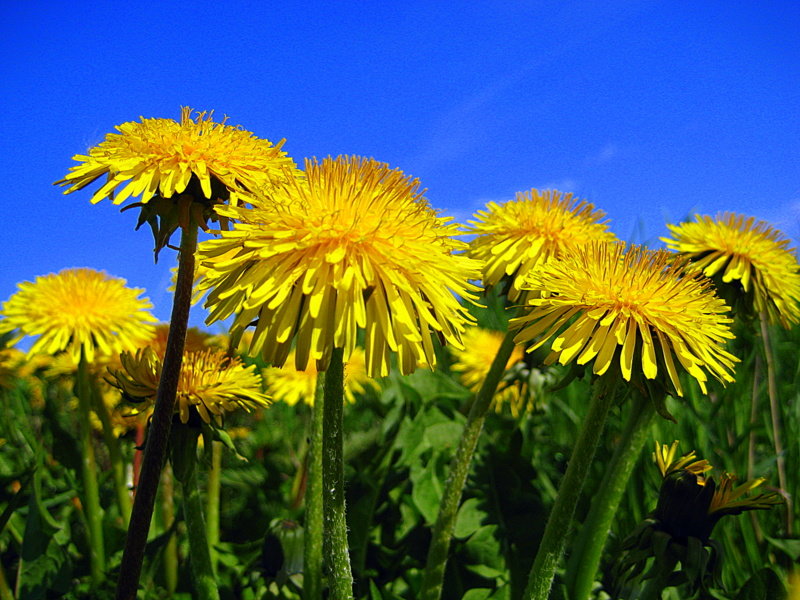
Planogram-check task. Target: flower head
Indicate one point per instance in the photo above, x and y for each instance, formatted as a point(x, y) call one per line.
point(291, 385)
point(160, 157)
point(512, 238)
point(353, 246)
point(210, 381)
point(752, 264)
point(603, 303)
point(182, 171)
point(79, 311)
point(474, 360)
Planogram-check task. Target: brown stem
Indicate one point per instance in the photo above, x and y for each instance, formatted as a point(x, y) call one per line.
point(155, 449)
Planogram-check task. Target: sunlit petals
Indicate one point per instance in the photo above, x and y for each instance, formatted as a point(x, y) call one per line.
point(78, 311)
point(162, 155)
point(638, 307)
point(352, 247)
point(513, 237)
point(750, 254)
point(210, 381)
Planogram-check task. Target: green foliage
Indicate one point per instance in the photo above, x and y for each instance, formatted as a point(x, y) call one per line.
point(398, 445)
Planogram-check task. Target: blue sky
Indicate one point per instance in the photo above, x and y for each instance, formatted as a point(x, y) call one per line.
point(651, 110)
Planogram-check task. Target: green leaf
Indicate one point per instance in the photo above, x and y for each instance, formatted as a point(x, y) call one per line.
point(483, 548)
point(468, 519)
point(477, 594)
point(790, 547)
point(426, 494)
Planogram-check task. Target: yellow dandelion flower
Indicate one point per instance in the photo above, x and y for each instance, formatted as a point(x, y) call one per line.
point(210, 381)
point(196, 340)
point(512, 238)
point(754, 260)
point(161, 156)
point(353, 246)
point(473, 362)
point(291, 385)
point(602, 302)
point(78, 311)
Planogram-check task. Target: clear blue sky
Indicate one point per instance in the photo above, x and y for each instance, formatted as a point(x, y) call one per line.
point(650, 109)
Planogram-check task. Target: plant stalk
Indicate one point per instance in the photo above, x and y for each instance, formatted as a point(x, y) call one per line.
point(212, 501)
point(199, 552)
point(335, 542)
point(312, 549)
point(433, 577)
point(156, 445)
point(551, 547)
point(91, 492)
point(585, 558)
point(775, 413)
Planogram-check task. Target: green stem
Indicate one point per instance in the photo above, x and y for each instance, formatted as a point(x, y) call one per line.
point(170, 557)
point(335, 542)
point(433, 577)
point(312, 549)
point(775, 413)
point(585, 557)
point(551, 547)
point(114, 453)
point(199, 554)
point(156, 446)
point(5, 591)
point(91, 492)
point(212, 502)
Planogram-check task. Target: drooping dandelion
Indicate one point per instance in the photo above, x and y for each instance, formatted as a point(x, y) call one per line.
point(210, 382)
point(638, 308)
point(78, 311)
point(353, 247)
point(514, 237)
point(751, 262)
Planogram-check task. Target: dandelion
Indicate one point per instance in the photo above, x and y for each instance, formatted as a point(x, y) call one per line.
point(79, 311)
point(751, 262)
point(609, 305)
point(293, 386)
point(210, 382)
point(473, 362)
point(514, 237)
point(354, 247)
point(159, 157)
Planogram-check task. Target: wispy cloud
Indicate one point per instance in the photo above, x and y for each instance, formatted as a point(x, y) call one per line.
point(605, 154)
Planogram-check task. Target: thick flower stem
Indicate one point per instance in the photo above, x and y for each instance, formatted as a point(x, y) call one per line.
point(91, 493)
point(199, 553)
point(337, 552)
point(433, 577)
point(312, 549)
point(161, 421)
point(114, 453)
point(212, 502)
point(551, 547)
point(586, 554)
point(775, 413)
